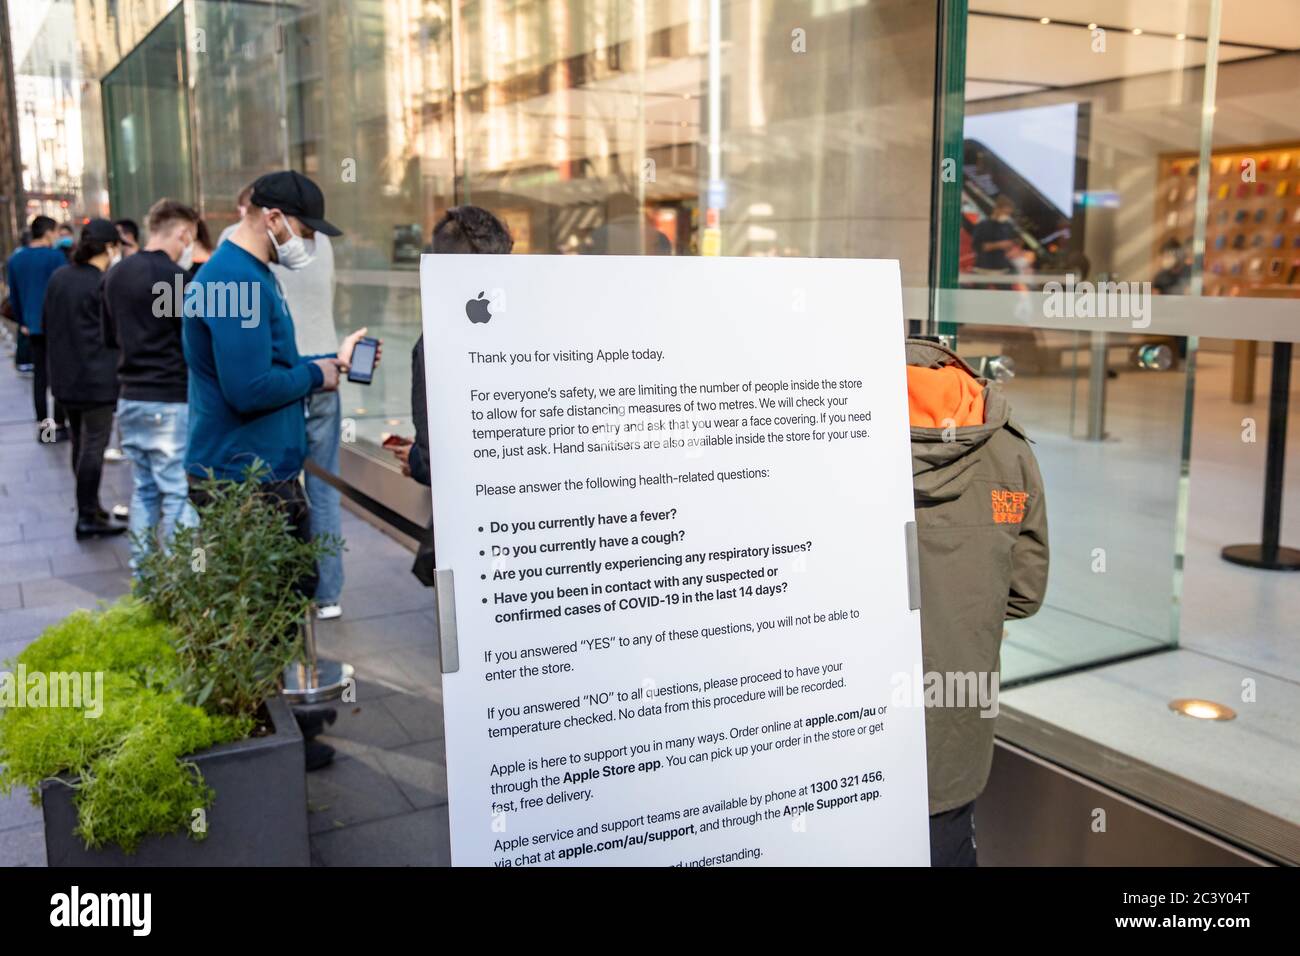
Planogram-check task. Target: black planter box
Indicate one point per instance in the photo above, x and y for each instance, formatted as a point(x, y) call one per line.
point(258, 815)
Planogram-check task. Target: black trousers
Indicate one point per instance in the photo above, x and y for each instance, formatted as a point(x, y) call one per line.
point(91, 427)
point(288, 496)
point(23, 353)
point(952, 837)
point(41, 384)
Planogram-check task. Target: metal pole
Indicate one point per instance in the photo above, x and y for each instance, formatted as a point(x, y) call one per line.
point(1269, 554)
point(1275, 461)
point(1097, 388)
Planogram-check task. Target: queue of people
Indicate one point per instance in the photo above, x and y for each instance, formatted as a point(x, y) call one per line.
point(142, 335)
point(228, 382)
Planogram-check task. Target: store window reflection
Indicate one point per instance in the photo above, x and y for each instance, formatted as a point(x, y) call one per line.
point(662, 127)
point(146, 115)
point(1082, 134)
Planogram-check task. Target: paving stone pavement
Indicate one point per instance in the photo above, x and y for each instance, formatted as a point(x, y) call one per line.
point(384, 799)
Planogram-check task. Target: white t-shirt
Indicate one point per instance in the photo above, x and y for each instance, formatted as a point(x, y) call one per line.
point(310, 294)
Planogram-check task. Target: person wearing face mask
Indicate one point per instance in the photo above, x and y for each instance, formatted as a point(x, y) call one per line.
point(199, 253)
point(129, 231)
point(65, 241)
point(29, 271)
point(153, 411)
point(309, 292)
point(83, 372)
point(995, 239)
point(248, 381)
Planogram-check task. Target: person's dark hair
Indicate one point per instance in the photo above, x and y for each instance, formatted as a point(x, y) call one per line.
point(166, 211)
point(66, 227)
point(202, 237)
point(471, 229)
point(42, 225)
point(87, 249)
point(130, 227)
point(1171, 245)
point(1003, 202)
point(26, 238)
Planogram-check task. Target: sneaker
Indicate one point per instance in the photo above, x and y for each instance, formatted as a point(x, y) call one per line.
point(121, 512)
point(27, 368)
point(329, 612)
point(114, 455)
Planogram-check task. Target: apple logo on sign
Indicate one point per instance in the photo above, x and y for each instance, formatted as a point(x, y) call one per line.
point(477, 309)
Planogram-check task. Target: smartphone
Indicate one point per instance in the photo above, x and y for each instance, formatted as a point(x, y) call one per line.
point(362, 368)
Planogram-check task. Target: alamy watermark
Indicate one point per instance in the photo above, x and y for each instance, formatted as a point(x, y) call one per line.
point(960, 689)
point(1098, 300)
point(74, 690)
point(212, 300)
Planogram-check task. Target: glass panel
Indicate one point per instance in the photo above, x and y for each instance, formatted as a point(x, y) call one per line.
point(146, 116)
point(677, 127)
point(1079, 183)
point(371, 121)
point(238, 102)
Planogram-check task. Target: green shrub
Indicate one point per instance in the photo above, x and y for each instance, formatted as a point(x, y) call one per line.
point(128, 763)
point(227, 587)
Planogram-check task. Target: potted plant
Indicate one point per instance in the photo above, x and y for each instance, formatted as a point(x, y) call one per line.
point(186, 754)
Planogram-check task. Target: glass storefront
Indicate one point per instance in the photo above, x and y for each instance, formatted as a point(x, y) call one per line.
point(146, 115)
point(1146, 156)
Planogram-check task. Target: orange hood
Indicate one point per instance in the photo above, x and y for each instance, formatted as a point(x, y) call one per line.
point(944, 397)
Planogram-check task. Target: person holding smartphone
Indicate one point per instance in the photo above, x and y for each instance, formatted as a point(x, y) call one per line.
point(247, 378)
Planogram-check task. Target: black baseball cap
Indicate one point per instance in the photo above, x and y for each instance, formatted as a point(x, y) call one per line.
point(294, 195)
point(100, 230)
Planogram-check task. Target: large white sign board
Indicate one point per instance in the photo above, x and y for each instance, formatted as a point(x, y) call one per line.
point(672, 495)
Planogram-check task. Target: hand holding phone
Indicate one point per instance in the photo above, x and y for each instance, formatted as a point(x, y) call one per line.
point(365, 356)
point(401, 449)
point(353, 354)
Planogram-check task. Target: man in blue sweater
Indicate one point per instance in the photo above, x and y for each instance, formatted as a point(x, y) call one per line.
point(247, 382)
point(30, 269)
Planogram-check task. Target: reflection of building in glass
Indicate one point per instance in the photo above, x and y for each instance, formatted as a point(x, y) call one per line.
point(46, 88)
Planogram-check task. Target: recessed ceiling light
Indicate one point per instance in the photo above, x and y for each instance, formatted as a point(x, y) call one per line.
point(1180, 36)
point(1092, 26)
point(1137, 31)
point(1202, 709)
point(1045, 20)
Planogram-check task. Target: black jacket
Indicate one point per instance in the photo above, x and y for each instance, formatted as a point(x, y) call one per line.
point(142, 316)
point(419, 460)
point(83, 370)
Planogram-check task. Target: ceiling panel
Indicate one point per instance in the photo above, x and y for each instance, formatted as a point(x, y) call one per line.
point(1271, 23)
point(1020, 51)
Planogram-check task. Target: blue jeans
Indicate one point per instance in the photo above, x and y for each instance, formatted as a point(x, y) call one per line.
point(323, 420)
point(154, 435)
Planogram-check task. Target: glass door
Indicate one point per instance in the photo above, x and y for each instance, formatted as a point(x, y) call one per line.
point(1073, 195)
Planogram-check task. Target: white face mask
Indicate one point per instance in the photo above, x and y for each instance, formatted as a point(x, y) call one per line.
point(187, 257)
point(292, 254)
